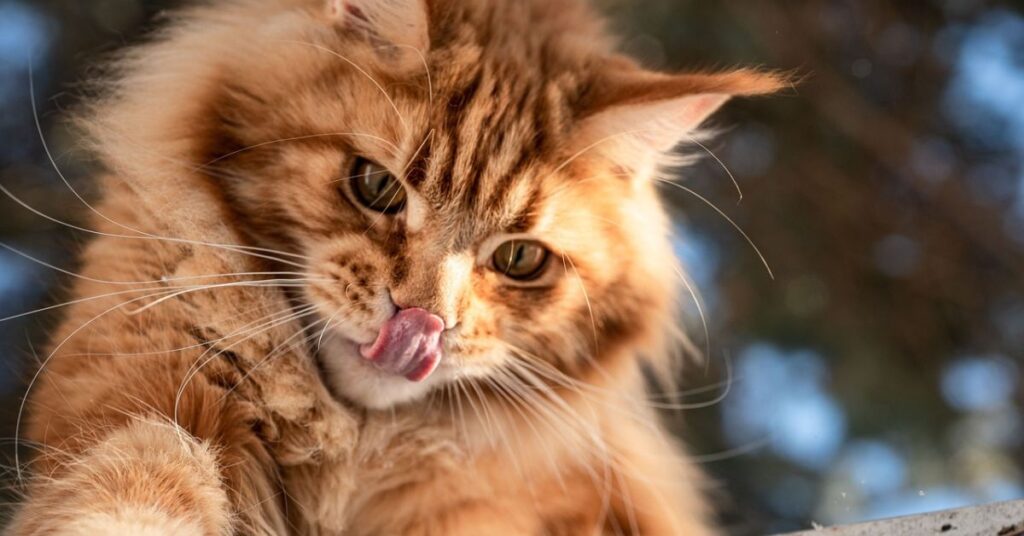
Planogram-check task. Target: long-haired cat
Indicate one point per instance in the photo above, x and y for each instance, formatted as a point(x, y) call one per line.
point(372, 267)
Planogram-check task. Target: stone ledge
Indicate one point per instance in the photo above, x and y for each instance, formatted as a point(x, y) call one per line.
point(1000, 519)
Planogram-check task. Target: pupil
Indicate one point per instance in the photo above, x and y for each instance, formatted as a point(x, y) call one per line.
point(519, 256)
point(378, 186)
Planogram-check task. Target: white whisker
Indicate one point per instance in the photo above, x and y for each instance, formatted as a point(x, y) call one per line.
point(728, 219)
point(279, 283)
point(202, 360)
point(296, 138)
point(275, 352)
point(245, 250)
point(735, 183)
point(361, 71)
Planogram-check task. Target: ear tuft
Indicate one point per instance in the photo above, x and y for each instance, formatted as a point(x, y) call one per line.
point(638, 116)
point(396, 23)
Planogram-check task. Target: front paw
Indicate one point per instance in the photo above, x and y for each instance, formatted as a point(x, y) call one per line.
point(127, 521)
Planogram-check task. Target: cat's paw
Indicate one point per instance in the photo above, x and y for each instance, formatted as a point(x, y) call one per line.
point(129, 522)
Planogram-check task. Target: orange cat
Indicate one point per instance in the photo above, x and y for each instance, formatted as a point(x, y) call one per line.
point(373, 267)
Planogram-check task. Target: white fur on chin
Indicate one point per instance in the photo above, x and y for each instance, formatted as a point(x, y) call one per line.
point(350, 376)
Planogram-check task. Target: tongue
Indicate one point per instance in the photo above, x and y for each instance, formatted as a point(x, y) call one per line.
point(408, 345)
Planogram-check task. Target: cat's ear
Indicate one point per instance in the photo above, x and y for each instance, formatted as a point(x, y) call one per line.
point(634, 116)
point(388, 23)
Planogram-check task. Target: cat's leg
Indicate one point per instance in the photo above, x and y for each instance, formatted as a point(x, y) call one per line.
point(180, 415)
point(149, 444)
point(148, 478)
point(136, 456)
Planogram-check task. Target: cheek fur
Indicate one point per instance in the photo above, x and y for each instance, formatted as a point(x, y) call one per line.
point(596, 313)
point(476, 341)
point(355, 300)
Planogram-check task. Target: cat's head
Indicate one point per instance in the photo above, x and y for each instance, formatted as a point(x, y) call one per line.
point(470, 184)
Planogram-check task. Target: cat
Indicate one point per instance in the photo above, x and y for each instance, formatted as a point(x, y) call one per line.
point(373, 267)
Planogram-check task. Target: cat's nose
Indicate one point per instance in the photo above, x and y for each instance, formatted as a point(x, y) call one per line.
point(439, 283)
point(449, 320)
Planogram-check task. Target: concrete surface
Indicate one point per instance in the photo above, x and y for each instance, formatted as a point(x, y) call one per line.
point(1000, 519)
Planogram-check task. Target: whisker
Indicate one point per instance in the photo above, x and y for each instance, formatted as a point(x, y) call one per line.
point(274, 353)
point(280, 283)
point(482, 416)
point(327, 325)
point(201, 361)
point(245, 250)
point(49, 154)
point(459, 393)
point(159, 290)
point(592, 146)
point(426, 70)
point(405, 170)
point(561, 418)
point(519, 403)
point(721, 213)
point(533, 364)
point(63, 178)
point(295, 138)
point(735, 183)
point(586, 297)
point(361, 71)
point(83, 300)
point(496, 384)
point(598, 449)
point(203, 344)
point(731, 453)
point(698, 303)
point(65, 271)
point(43, 365)
point(593, 320)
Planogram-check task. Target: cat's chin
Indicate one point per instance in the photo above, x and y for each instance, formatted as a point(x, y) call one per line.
point(351, 377)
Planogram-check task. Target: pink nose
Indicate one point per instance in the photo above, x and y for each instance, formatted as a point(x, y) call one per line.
point(408, 345)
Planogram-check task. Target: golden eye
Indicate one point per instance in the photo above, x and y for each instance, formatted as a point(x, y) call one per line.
point(376, 188)
point(522, 260)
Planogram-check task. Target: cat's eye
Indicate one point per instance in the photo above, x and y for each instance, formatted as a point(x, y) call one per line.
point(521, 260)
point(376, 188)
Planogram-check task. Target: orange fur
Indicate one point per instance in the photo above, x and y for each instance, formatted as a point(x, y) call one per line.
point(209, 385)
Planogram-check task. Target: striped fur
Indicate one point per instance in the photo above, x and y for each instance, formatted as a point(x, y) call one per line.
point(240, 408)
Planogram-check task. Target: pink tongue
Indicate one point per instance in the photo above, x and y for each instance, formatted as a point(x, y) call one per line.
point(408, 345)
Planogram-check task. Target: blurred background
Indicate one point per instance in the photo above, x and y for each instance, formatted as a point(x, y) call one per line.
point(877, 374)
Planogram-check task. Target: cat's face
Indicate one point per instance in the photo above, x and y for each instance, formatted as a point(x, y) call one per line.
point(496, 187)
point(513, 267)
point(473, 218)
